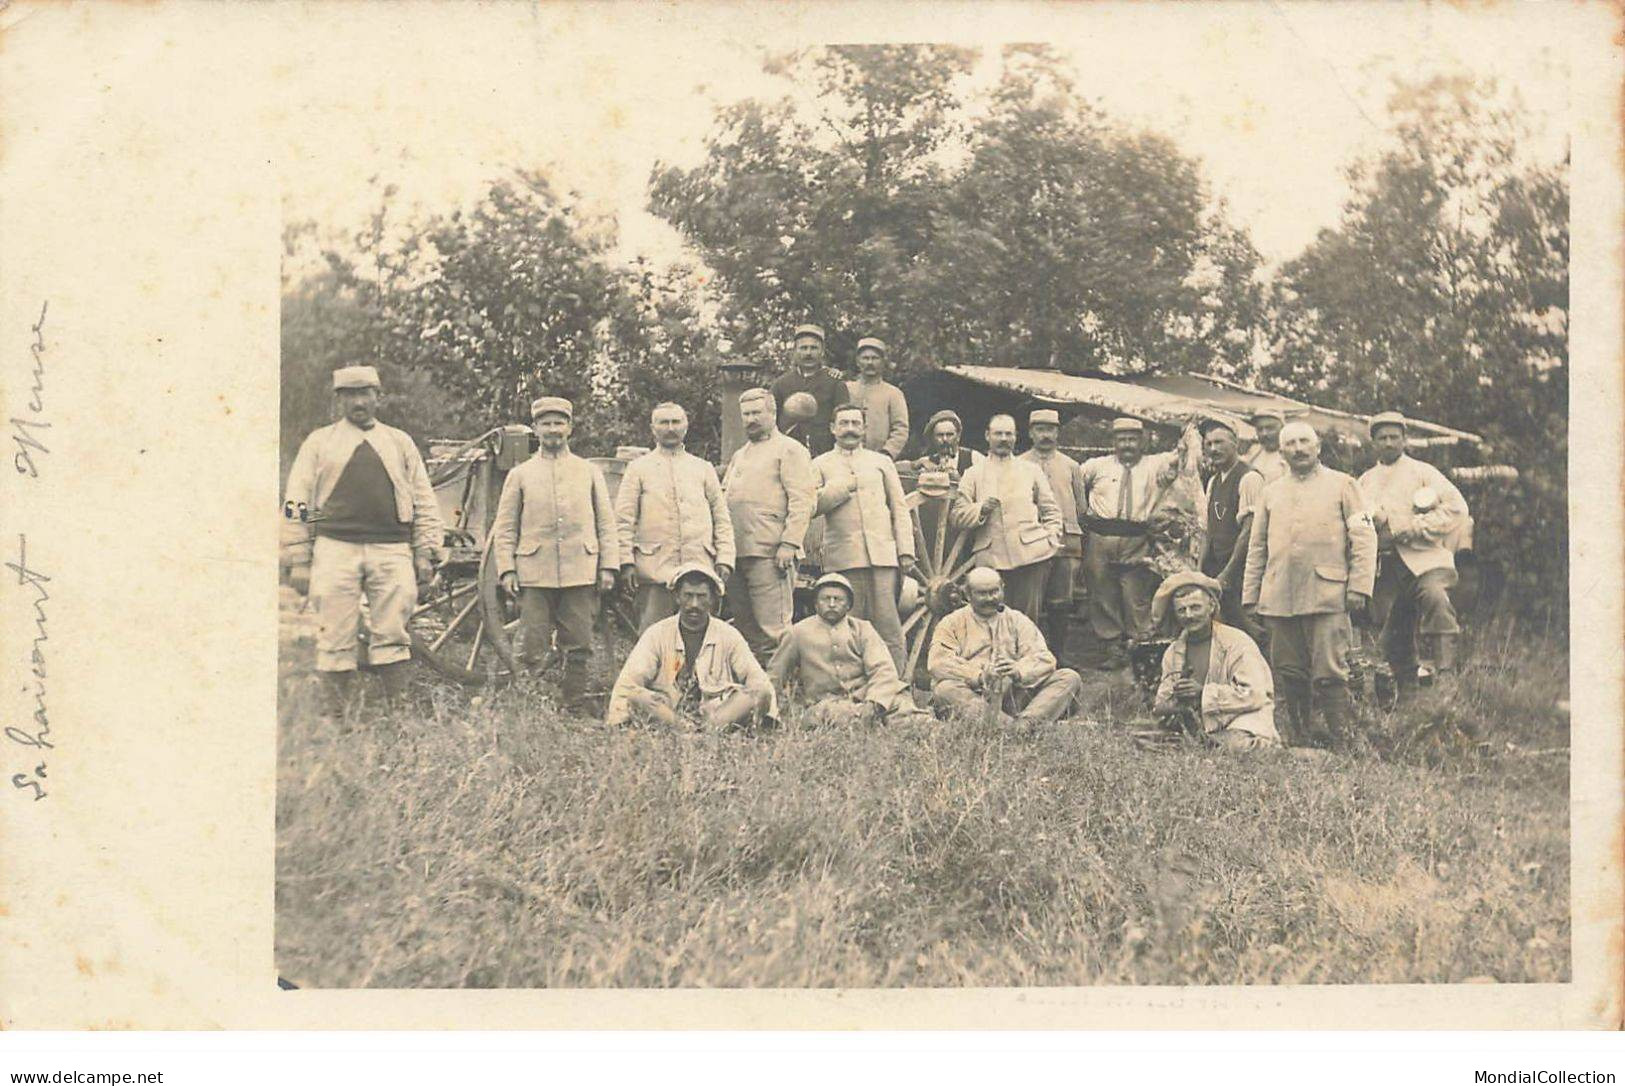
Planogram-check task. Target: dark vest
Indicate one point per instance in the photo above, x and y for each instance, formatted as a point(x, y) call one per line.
point(1222, 528)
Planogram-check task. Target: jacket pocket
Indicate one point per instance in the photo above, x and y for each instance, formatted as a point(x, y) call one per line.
point(641, 547)
point(1331, 573)
point(1033, 533)
point(591, 544)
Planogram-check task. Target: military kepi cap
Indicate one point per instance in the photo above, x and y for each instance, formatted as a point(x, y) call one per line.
point(871, 341)
point(809, 330)
point(552, 405)
point(1127, 426)
point(1267, 413)
point(1044, 415)
point(690, 570)
point(1208, 425)
point(355, 377)
point(1386, 418)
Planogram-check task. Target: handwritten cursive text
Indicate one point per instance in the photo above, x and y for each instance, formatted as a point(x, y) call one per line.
point(36, 735)
point(25, 431)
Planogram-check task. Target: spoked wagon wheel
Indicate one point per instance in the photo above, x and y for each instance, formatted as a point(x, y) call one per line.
point(452, 628)
point(941, 554)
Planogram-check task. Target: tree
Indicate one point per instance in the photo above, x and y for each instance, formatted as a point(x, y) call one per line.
point(1017, 227)
point(1443, 292)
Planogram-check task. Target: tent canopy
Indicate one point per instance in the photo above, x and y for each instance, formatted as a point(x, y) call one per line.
point(979, 392)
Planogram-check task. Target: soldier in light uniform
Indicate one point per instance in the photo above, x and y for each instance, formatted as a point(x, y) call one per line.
point(671, 512)
point(692, 668)
point(360, 519)
point(1121, 491)
point(556, 547)
point(1008, 504)
point(1265, 455)
point(1417, 542)
point(884, 408)
point(835, 665)
point(770, 493)
point(1311, 561)
point(868, 534)
point(1065, 477)
point(811, 376)
point(1213, 672)
point(988, 661)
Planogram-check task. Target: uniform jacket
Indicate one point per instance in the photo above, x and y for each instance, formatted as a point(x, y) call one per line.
point(1423, 541)
point(1271, 465)
point(1103, 484)
point(844, 660)
point(769, 490)
point(725, 665)
point(320, 462)
point(1027, 526)
point(1239, 690)
point(670, 511)
point(1065, 477)
point(962, 647)
point(554, 524)
point(886, 415)
point(829, 389)
point(1312, 540)
point(871, 527)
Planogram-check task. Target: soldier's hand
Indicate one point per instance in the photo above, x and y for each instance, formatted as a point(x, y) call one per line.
point(989, 505)
point(299, 578)
point(1356, 601)
point(785, 557)
point(606, 580)
point(510, 582)
point(424, 569)
point(724, 571)
point(629, 576)
point(909, 566)
point(1003, 669)
point(1186, 688)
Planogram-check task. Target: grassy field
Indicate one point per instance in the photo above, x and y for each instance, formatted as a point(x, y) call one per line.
point(496, 844)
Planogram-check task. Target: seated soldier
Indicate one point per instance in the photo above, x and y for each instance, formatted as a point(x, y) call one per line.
point(691, 667)
point(841, 669)
point(1215, 682)
point(989, 662)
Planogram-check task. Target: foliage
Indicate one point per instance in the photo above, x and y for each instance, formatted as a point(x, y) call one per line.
point(1017, 226)
point(498, 844)
point(1444, 293)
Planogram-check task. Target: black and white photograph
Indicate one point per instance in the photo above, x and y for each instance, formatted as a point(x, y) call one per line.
point(917, 514)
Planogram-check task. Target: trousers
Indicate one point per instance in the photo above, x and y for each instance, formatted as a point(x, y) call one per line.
point(1404, 605)
point(876, 591)
point(654, 602)
point(1047, 701)
point(340, 575)
point(762, 599)
point(1119, 595)
point(568, 611)
point(1310, 648)
point(1024, 588)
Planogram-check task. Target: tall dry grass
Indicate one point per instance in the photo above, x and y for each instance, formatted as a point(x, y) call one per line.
point(501, 845)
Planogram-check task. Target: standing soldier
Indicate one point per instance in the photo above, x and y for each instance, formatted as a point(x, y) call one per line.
point(360, 519)
point(1227, 519)
point(1311, 561)
point(883, 405)
point(1265, 455)
point(671, 513)
point(868, 534)
point(811, 376)
point(942, 449)
point(1065, 477)
point(1009, 505)
point(555, 544)
point(1420, 518)
point(769, 490)
point(1121, 491)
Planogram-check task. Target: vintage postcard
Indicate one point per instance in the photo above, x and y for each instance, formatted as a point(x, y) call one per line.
point(847, 515)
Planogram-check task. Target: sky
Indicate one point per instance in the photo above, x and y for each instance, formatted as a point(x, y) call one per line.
point(1274, 99)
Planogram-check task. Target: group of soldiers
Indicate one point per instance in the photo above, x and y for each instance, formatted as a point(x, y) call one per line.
point(1290, 549)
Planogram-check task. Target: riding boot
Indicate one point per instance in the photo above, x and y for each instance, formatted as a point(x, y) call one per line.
point(1337, 710)
point(573, 685)
point(397, 678)
point(333, 696)
point(1293, 697)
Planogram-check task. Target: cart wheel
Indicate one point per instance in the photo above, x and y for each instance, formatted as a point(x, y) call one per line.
point(939, 552)
point(452, 628)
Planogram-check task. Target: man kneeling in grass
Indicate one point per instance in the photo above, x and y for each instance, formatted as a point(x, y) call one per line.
point(1213, 676)
point(839, 669)
point(692, 668)
point(988, 662)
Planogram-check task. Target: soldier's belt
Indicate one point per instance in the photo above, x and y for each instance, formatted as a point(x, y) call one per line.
point(1114, 526)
